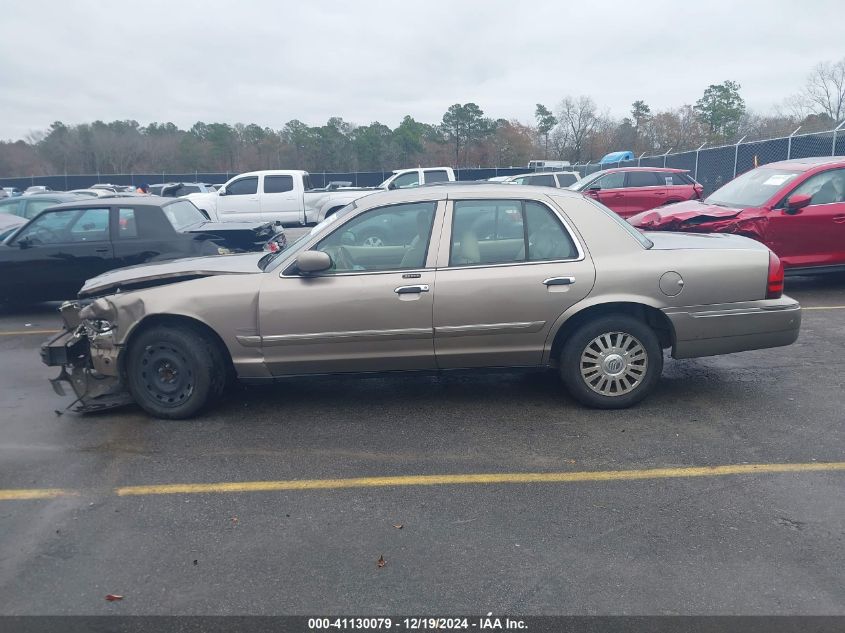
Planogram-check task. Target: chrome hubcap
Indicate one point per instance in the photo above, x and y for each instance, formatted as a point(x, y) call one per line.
point(373, 240)
point(614, 363)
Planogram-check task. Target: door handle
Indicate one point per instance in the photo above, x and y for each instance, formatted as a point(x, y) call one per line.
point(406, 290)
point(101, 250)
point(839, 219)
point(559, 281)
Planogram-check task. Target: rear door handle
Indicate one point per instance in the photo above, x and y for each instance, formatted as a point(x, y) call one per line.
point(839, 219)
point(406, 290)
point(559, 281)
point(101, 250)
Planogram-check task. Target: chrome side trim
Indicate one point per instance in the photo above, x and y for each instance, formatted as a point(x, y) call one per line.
point(344, 337)
point(249, 341)
point(522, 327)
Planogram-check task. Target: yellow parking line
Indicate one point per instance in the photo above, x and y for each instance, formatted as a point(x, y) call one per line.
point(20, 332)
point(36, 493)
point(435, 480)
point(485, 478)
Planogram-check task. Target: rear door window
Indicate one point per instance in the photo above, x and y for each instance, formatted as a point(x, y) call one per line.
point(436, 175)
point(564, 180)
point(278, 184)
point(546, 180)
point(643, 179)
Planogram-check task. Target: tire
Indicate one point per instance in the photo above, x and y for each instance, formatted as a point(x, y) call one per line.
point(174, 371)
point(373, 239)
point(615, 375)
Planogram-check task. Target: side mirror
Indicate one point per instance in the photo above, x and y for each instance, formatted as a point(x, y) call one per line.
point(221, 191)
point(24, 243)
point(392, 185)
point(794, 204)
point(313, 262)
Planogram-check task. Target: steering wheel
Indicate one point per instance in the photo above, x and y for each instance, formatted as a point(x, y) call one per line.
point(341, 259)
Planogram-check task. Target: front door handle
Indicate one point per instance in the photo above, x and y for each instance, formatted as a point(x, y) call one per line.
point(101, 250)
point(839, 219)
point(559, 281)
point(406, 290)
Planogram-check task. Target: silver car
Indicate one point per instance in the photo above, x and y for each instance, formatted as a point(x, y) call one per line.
point(468, 277)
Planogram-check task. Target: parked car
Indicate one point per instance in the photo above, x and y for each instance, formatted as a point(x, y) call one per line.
point(31, 205)
point(629, 190)
point(616, 157)
point(566, 284)
point(795, 207)
point(178, 189)
point(36, 189)
point(13, 191)
point(548, 165)
point(287, 196)
point(52, 255)
point(93, 193)
point(559, 179)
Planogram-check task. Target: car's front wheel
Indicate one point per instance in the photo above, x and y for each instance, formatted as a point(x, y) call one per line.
point(612, 362)
point(174, 371)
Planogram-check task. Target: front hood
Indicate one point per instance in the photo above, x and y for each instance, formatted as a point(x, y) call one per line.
point(674, 216)
point(172, 271)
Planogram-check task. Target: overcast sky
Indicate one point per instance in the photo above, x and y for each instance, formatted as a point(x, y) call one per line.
point(267, 62)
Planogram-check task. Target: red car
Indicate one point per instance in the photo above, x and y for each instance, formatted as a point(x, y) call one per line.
point(795, 207)
point(629, 190)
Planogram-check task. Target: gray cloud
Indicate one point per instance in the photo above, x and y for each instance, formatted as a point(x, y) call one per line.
point(269, 62)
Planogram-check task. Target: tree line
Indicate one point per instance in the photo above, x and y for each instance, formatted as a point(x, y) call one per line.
point(577, 129)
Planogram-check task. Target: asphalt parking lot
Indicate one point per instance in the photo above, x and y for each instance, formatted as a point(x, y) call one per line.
point(282, 499)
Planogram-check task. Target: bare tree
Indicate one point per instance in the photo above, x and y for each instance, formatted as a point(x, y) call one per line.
point(579, 118)
point(825, 89)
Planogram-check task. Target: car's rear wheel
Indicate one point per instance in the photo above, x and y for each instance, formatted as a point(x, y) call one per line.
point(174, 371)
point(612, 362)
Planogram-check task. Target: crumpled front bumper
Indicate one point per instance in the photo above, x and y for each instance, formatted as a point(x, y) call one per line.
point(94, 379)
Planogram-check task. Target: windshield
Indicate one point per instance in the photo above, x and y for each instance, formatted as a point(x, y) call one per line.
point(183, 214)
point(267, 262)
point(752, 189)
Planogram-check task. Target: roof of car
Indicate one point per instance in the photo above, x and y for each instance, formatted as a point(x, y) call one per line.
point(804, 164)
point(141, 201)
point(672, 170)
point(463, 189)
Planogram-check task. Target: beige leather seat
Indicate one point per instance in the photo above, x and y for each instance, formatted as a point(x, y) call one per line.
point(468, 251)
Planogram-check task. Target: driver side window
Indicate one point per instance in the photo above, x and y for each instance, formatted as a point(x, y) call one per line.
point(243, 187)
point(73, 225)
point(387, 238)
point(824, 188)
point(411, 179)
point(615, 180)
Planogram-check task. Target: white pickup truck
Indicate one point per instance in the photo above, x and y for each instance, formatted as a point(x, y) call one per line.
point(287, 196)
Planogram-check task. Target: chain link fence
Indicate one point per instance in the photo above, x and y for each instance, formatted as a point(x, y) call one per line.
point(714, 166)
point(69, 182)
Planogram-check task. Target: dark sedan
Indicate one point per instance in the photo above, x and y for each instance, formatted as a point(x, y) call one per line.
point(53, 254)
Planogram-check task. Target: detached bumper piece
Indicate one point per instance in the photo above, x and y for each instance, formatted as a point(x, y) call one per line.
point(71, 351)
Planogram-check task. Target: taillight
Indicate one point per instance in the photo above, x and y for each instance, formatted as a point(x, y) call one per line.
point(774, 284)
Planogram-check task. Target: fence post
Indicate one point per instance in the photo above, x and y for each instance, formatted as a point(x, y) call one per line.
point(833, 147)
point(639, 158)
point(695, 175)
point(665, 155)
point(736, 153)
point(789, 143)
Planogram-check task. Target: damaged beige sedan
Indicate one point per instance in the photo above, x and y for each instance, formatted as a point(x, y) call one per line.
point(430, 279)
